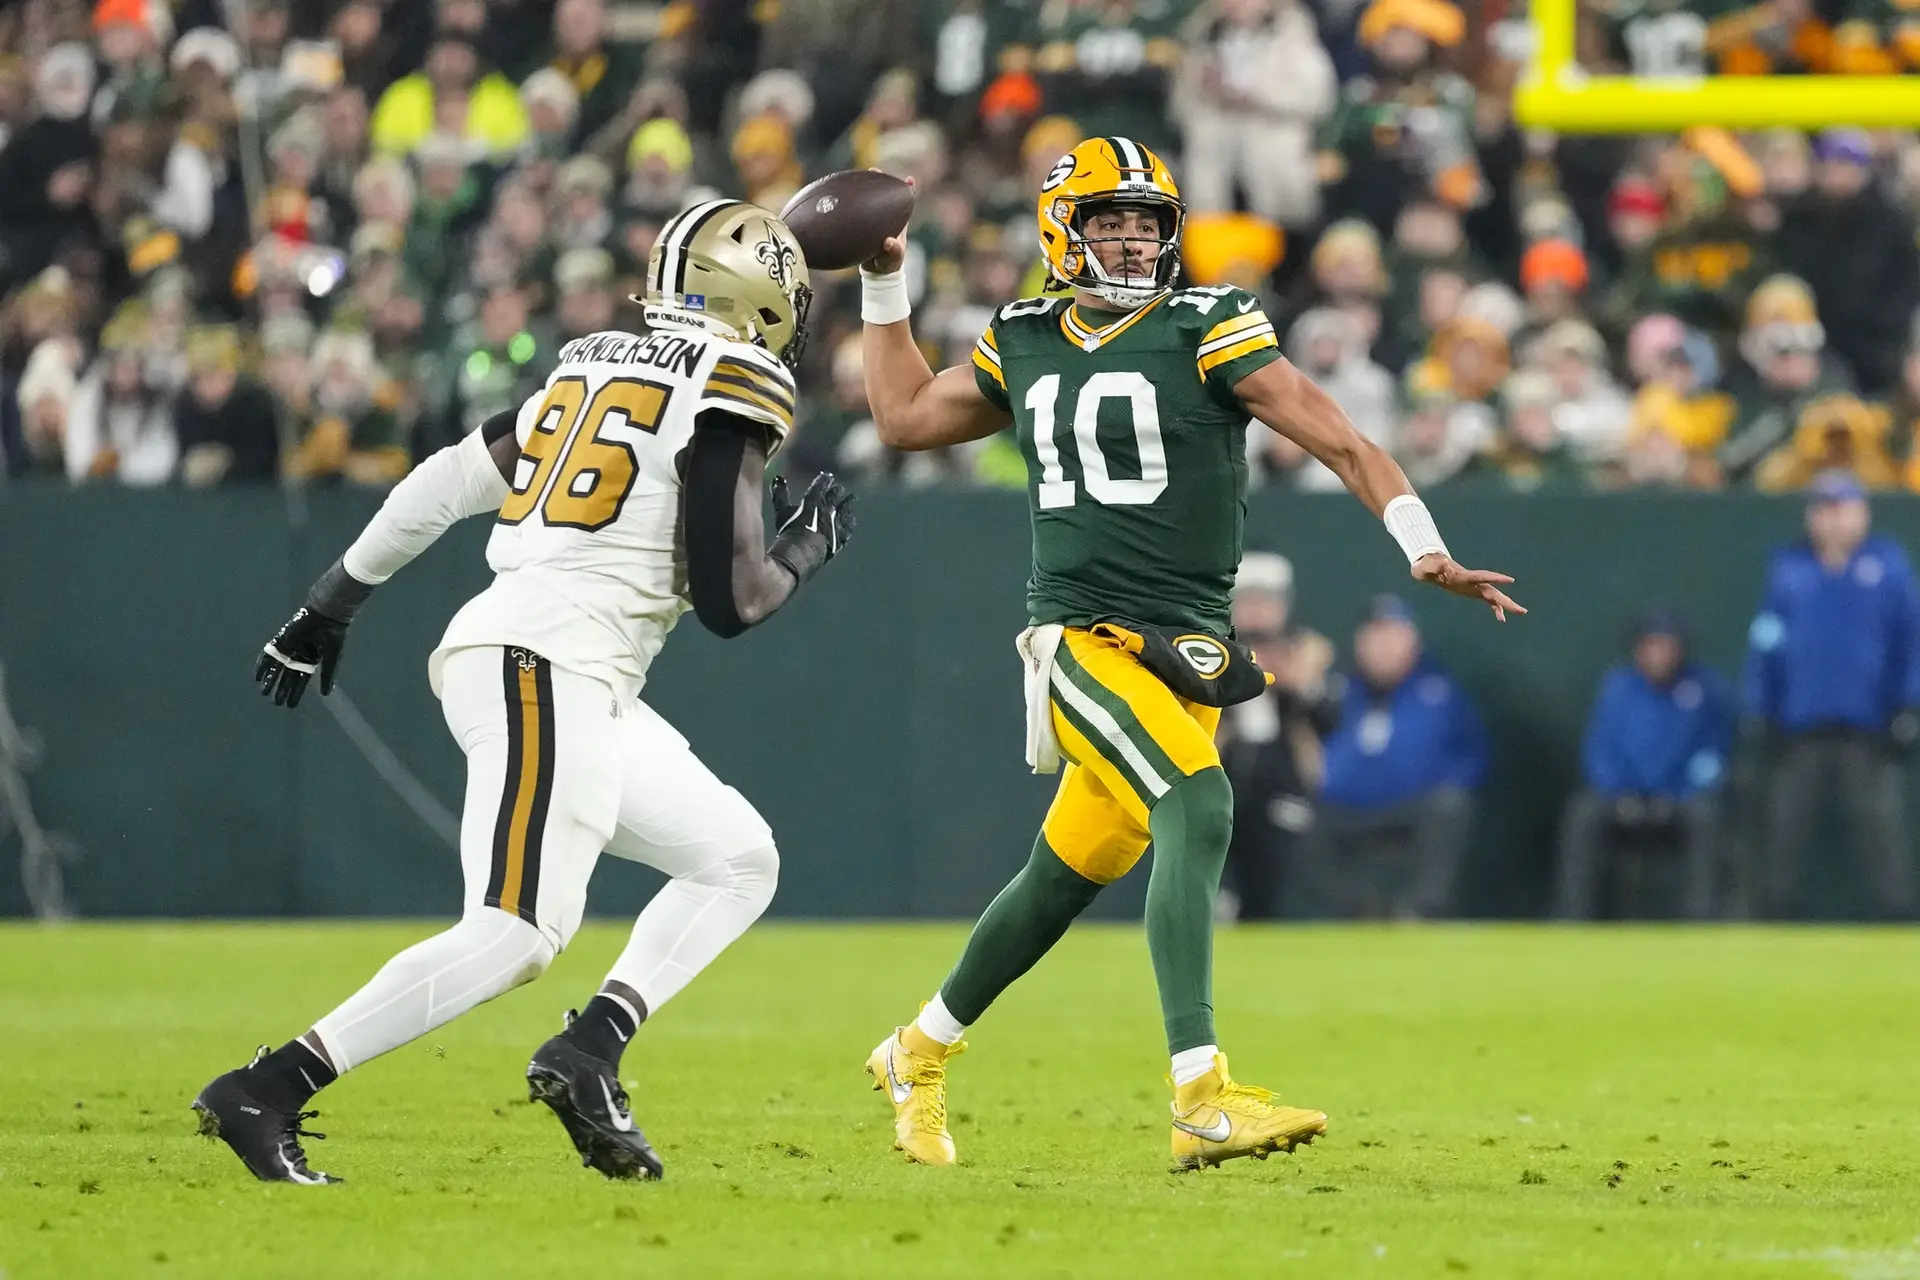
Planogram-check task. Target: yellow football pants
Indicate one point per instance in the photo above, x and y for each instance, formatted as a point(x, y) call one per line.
point(1128, 740)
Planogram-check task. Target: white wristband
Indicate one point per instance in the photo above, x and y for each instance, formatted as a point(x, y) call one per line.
point(883, 298)
point(1411, 525)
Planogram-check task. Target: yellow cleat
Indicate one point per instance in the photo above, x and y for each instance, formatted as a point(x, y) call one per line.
point(1215, 1119)
point(911, 1069)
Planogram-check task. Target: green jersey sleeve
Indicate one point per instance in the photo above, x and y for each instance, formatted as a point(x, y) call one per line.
point(986, 368)
point(1237, 340)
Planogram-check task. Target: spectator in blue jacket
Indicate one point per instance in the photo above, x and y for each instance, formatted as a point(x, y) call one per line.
point(1833, 677)
point(1654, 760)
point(1401, 771)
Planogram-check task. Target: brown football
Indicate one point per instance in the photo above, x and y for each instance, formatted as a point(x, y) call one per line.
point(843, 219)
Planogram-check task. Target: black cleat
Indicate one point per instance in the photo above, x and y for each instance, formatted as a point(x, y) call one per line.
point(585, 1093)
point(267, 1140)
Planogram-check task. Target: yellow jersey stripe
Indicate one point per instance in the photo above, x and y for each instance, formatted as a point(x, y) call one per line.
point(1251, 331)
point(768, 369)
point(987, 337)
point(755, 373)
point(987, 351)
point(1235, 324)
point(992, 369)
point(744, 395)
point(737, 379)
point(752, 386)
point(1215, 359)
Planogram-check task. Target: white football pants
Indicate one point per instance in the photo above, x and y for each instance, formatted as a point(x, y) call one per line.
point(559, 769)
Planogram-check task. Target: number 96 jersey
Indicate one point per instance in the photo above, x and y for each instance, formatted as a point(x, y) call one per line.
point(1136, 450)
point(589, 568)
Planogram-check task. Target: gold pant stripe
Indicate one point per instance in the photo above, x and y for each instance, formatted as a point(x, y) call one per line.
point(514, 879)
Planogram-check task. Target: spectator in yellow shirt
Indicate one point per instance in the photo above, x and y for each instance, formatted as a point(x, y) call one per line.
point(1679, 417)
point(1837, 432)
point(450, 95)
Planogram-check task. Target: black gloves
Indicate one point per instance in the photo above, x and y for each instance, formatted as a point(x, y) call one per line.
point(312, 639)
point(812, 531)
point(309, 642)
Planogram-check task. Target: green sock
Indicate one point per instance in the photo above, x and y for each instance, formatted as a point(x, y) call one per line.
point(1019, 926)
point(1191, 827)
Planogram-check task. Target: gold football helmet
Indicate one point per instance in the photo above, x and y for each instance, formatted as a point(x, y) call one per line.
point(731, 268)
point(1103, 173)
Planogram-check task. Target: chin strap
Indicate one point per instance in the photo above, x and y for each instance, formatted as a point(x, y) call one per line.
point(1128, 302)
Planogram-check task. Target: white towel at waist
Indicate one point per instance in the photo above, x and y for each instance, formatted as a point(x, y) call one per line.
point(1037, 646)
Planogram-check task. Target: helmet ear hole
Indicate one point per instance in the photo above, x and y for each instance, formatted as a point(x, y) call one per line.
point(769, 317)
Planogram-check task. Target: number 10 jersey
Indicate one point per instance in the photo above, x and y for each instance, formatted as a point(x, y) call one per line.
point(1136, 450)
point(590, 570)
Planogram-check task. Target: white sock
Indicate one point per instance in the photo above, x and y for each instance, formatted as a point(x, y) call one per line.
point(487, 954)
point(937, 1022)
point(692, 920)
point(1190, 1064)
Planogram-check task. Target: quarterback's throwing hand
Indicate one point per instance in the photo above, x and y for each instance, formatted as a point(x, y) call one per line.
point(309, 642)
point(1476, 584)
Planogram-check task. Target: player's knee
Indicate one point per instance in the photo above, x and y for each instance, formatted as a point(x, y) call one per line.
point(748, 873)
point(527, 949)
point(759, 872)
point(1204, 803)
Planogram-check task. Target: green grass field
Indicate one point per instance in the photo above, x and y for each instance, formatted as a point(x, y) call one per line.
point(1505, 1102)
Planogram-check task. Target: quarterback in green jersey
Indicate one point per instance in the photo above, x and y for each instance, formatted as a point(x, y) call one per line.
point(1131, 398)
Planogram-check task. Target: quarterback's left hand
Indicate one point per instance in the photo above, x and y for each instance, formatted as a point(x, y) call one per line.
point(1476, 584)
point(309, 642)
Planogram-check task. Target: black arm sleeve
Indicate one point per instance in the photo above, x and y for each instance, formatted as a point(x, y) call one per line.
point(731, 581)
point(499, 425)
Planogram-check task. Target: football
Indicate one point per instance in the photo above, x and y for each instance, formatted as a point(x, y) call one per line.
point(843, 219)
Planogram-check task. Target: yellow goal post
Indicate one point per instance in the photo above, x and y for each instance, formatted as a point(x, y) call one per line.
point(1557, 93)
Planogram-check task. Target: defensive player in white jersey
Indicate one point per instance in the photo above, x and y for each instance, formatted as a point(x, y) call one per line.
point(626, 491)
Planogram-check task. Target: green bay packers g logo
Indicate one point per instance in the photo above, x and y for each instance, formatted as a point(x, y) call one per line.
point(1203, 653)
point(1061, 171)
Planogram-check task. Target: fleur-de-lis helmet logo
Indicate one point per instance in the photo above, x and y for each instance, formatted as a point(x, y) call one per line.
point(780, 258)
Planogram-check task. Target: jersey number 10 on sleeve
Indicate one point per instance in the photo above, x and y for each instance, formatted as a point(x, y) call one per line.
point(573, 469)
point(1058, 491)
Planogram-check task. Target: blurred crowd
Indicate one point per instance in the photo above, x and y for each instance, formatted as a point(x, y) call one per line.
point(1357, 785)
point(315, 240)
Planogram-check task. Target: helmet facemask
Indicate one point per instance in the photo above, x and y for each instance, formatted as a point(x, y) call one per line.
point(1126, 291)
point(797, 344)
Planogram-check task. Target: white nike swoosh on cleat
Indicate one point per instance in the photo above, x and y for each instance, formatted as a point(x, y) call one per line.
point(621, 1120)
point(900, 1092)
point(1219, 1131)
point(304, 1179)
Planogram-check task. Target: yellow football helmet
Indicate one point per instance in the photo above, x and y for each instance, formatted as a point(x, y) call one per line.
point(731, 268)
point(1102, 173)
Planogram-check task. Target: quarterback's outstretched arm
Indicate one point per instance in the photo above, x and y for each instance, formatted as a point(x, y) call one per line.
point(734, 578)
point(1289, 402)
point(464, 479)
point(913, 407)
